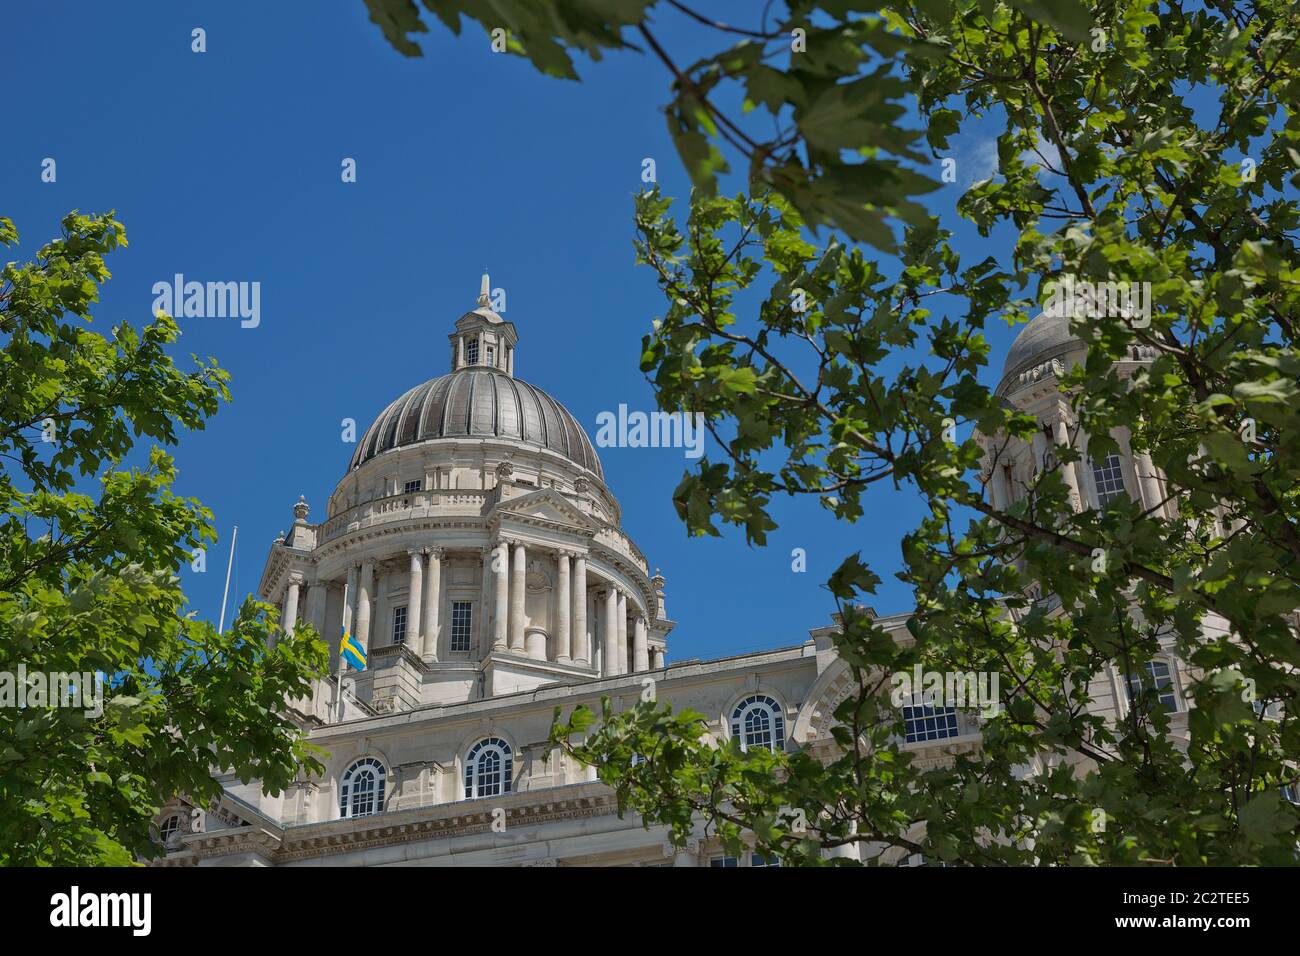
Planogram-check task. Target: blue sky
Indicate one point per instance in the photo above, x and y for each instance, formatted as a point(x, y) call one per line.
point(225, 166)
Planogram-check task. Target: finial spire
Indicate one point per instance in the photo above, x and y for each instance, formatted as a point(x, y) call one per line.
point(485, 290)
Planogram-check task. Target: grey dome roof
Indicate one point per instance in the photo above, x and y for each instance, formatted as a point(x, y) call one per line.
point(1042, 337)
point(478, 402)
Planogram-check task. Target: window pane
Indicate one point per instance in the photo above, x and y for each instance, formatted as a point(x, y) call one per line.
point(399, 625)
point(1109, 478)
point(922, 723)
point(362, 791)
point(488, 768)
point(1156, 674)
point(461, 624)
point(758, 722)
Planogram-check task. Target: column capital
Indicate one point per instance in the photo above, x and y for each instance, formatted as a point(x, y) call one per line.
point(415, 552)
point(297, 577)
point(437, 552)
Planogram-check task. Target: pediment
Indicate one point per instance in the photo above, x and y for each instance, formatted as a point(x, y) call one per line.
point(545, 506)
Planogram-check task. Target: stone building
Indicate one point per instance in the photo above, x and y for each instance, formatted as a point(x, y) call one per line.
point(486, 571)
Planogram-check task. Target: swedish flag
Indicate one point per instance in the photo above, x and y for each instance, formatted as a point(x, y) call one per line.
point(352, 652)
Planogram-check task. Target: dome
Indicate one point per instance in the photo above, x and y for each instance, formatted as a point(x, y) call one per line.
point(478, 402)
point(1043, 337)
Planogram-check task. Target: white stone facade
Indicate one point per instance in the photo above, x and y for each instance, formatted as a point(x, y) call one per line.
point(487, 574)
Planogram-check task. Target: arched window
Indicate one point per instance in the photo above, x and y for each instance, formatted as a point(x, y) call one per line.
point(758, 722)
point(362, 792)
point(488, 768)
point(1109, 479)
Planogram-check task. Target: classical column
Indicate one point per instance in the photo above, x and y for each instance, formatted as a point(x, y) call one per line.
point(289, 617)
point(460, 351)
point(501, 571)
point(317, 594)
point(518, 572)
point(432, 597)
point(1039, 443)
point(581, 650)
point(1068, 472)
point(998, 496)
point(640, 650)
point(365, 584)
point(482, 626)
point(415, 602)
point(656, 658)
point(622, 633)
point(1148, 483)
point(610, 644)
point(562, 599)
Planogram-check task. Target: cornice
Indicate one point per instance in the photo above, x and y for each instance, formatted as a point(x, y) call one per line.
point(436, 821)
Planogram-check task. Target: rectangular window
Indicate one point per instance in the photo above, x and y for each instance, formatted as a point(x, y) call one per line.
point(462, 619)
point(491, 356)
point(411, 487)
point(724, 861)
point(759, 859)
point(1157, 673)
point(399, 625)
point(922, 722)
point(471, 351)
point(1109, 479)
point(1268, 709)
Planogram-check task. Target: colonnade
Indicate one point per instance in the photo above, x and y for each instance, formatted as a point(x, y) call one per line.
point(506, 565)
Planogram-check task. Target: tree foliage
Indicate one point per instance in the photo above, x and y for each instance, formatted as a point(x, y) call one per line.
point(1140, 142)
point(91, 552)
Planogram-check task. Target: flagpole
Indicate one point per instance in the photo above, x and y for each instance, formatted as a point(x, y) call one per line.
point(338, 674)
point(221, 622)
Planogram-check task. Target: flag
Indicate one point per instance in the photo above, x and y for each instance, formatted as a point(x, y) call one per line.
point(352, 651)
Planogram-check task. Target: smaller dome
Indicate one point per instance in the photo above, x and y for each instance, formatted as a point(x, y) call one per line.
point(1043, 337)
